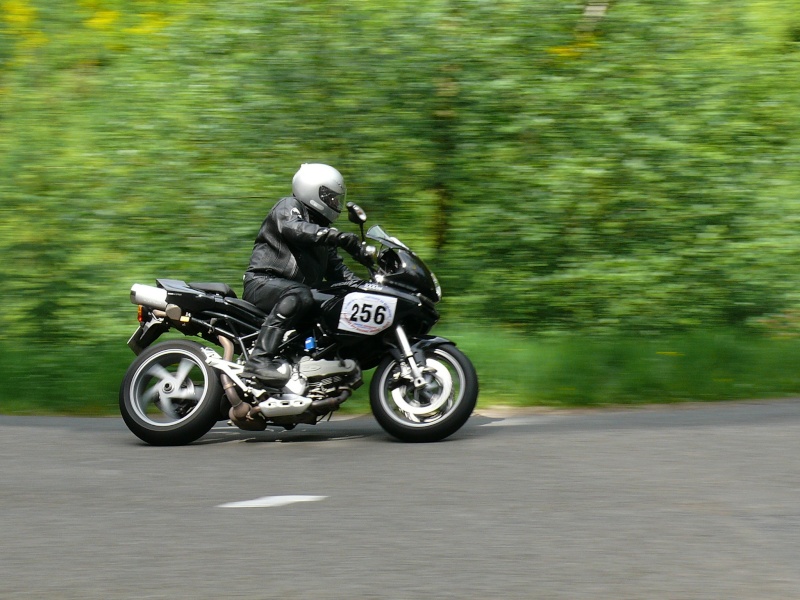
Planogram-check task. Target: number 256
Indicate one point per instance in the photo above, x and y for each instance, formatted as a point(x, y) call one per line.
point(367, 313)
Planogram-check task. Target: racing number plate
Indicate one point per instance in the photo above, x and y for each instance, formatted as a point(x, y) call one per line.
point(367, 314)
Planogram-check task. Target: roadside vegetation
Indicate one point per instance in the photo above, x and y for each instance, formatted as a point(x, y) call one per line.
point(610, 190)
point(514, 370)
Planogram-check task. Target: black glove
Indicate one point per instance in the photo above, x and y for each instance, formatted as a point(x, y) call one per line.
point(350, 243)
point(365, 256)
point(329, 236)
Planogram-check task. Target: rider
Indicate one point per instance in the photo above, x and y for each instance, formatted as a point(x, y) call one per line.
point(294, 251)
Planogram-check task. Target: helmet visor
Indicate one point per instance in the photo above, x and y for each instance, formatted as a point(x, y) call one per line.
point(333, 200)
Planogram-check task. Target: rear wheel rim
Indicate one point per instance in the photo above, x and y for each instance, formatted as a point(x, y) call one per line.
point(168, 388)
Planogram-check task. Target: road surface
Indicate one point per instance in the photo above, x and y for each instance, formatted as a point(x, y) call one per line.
point(678, 502)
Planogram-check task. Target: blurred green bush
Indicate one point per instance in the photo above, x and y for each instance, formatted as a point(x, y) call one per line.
point(518, 370)
point(638, 175)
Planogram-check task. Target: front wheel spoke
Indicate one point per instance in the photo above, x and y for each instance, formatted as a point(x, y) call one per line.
point(411, 417)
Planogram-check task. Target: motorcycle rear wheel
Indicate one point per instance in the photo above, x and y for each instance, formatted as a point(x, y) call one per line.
point(433, 412)
point(170, 396)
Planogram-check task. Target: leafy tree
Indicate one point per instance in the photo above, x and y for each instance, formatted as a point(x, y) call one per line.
point(635, 172)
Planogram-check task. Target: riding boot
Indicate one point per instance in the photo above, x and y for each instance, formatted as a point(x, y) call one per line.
point(263, 363)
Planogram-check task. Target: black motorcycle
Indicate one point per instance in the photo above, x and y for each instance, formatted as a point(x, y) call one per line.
point(423, 389)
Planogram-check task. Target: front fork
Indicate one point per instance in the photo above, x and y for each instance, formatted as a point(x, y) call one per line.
point(408, 355)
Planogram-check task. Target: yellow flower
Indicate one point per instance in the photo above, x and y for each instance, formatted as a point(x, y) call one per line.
point(103, 19)
point(18, 14)
point(582, 43)
point(20, 17)
point(564, 51)
point(151, 23)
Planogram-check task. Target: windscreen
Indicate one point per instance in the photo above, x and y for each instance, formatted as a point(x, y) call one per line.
point(377, 233)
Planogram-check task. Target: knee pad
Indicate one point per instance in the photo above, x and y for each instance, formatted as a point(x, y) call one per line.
point(291, 307)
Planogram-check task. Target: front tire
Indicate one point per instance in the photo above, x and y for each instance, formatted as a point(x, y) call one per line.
point(170, 396)
point(433, 412)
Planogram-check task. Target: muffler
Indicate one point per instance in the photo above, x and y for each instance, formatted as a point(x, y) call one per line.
point(150, 296)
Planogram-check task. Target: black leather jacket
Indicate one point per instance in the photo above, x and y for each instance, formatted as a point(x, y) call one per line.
point(289, 246)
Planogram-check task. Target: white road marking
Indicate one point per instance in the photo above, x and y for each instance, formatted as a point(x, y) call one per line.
point(271, 501)
point(520, 421)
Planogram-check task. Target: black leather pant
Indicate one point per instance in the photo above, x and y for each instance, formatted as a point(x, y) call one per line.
point(284, 300)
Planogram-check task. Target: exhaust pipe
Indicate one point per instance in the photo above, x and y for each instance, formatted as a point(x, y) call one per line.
point(323, 407)
point(247, 417)
point(241, 414)
point(149, 296)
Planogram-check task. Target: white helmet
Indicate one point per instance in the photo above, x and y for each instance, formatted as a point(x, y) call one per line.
point(321, 188)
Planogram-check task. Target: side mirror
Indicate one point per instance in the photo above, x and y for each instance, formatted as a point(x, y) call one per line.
point(356, 214)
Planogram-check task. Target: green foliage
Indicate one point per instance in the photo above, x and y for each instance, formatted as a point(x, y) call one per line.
point(621, 369)
point(636, 176)
point(565, 371)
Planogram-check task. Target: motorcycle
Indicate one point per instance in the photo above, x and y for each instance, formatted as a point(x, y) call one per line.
point(423, 388)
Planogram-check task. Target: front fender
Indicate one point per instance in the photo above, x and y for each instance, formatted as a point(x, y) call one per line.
point(420, 346)
point(430, 341)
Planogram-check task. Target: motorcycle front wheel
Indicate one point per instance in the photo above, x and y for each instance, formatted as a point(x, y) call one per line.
point(432, 412)
point(170, 396)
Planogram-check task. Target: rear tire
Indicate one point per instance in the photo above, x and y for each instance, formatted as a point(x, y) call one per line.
point(433, 412)
point(170, 396)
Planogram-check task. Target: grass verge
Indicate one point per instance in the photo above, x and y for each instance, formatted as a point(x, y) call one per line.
point(574, 371)
point(513, 370)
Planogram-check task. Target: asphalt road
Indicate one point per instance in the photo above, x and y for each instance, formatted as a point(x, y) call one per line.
point(696, 501)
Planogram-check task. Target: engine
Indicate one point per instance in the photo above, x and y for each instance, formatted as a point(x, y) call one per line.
point(320, 379)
